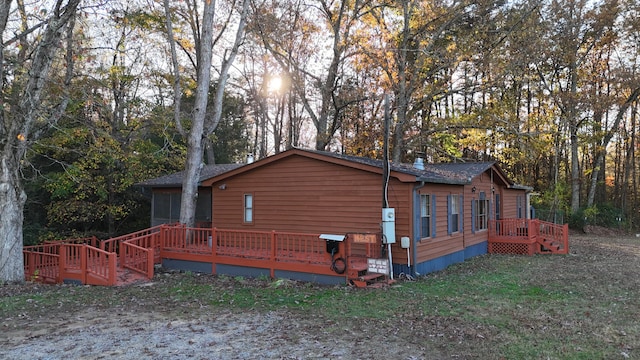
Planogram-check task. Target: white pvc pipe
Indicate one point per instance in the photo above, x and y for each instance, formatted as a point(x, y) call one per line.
point(390, 262)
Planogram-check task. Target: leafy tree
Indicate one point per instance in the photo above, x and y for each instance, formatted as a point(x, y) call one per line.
point(229, 142)
point(90, 175)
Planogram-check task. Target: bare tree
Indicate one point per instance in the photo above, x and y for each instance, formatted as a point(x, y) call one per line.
point(201, 125)
point(317, 90)
point(25, 111)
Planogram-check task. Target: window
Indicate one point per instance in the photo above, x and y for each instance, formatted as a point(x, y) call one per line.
point(481, 213)
point(167, 204)
point(454, 213)
point(425, 216)
point(520, 206)
point(166, 207)
point(248, 208)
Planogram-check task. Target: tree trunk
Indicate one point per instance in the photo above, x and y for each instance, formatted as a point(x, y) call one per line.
point(575, 170)
point(17, 122)
point(402, 93)
point(202, 127)
point(600, 154)
point(12, 199)
point(193, 164)
point(209, 152)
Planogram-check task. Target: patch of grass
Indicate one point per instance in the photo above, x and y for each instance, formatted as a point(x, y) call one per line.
point(495, 306)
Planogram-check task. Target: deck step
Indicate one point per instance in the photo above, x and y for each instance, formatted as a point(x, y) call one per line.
point(547, 246)
point(357, 269)
point(366, 280)
point(370, 276)
point(359, 266)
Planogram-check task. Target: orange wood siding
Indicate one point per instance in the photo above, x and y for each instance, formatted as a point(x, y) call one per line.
point(510, 203)
point(482, 184)
point(310, 195)
point(443, 243)
point(307, 195)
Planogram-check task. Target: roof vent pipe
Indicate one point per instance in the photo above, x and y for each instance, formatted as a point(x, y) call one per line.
point(249, 158)
point(419, 163)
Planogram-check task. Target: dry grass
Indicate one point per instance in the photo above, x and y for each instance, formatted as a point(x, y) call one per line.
point(580, 306)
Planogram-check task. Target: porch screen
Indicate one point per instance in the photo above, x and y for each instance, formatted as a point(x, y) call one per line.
point(166, 207)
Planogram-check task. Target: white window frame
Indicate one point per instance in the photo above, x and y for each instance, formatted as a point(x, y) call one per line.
point(425, 215)
point(455, 213)
point(248, 208)
point(482, 214)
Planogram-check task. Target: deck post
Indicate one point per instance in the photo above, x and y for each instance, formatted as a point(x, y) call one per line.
point(62, 260)
point(161, 242)
point(83, 263)
point(214, 249)
point(150, 262)
point(213, 242)
point(29, 265)
point(112, 269)
point(565, 238)
point(272, 271)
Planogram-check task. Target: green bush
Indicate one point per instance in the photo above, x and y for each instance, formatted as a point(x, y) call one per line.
point(603, 215)
point(577, 219)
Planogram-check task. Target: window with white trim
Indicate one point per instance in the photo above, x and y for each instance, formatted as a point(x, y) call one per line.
point(454, 215)
point(248, 208)
point(425, 216)
point(481, 208)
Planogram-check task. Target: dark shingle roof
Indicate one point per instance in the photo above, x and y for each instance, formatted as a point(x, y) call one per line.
point(450, 173)
point(461, 173)
point(175, 180)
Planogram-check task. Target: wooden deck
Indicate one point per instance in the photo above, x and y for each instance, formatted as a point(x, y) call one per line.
point(131, 258)
point(527, 237)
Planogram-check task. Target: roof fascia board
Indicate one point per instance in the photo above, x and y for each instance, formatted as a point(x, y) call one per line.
point(503, 177)
point(312, 155)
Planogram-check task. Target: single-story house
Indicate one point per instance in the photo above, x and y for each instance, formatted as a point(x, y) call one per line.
point(443, 209)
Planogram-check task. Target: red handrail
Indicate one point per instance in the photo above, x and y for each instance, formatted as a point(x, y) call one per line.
point(137, 258)
point(113, 244)
point(100, 266)
point(534, 233)
point(42, 263)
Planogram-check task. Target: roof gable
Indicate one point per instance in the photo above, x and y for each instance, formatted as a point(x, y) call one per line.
point(175, 179)
point(445, 173)
point(458, 173)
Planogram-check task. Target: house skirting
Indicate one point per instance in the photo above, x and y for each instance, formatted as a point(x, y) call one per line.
point(442, 262)
point(250, 272)
point(187, 265)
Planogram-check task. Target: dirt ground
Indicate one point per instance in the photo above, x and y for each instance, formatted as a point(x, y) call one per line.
point(151, 327)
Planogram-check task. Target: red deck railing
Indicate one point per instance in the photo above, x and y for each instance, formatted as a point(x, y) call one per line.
point(113, 244)
point(270, 250)
point(101, 266)
point(82, 260)
point(87, 264)
point(42, 263)
point(244, 244)
point(527, 236)
point(91, 241)
point(138, 258)
point(186, 240)
point(297, 247)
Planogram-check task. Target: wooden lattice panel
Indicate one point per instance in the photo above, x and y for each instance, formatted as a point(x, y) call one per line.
point(511, 248)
